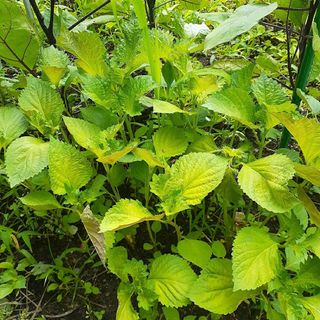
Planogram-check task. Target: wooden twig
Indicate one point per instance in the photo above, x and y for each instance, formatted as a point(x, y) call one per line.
point(61, 315)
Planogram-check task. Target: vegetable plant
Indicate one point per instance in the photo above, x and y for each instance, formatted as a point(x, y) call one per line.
point(139, 131)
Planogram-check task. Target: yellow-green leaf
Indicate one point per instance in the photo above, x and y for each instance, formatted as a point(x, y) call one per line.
point(126, 213)
point(69, 170)
point(265, 181)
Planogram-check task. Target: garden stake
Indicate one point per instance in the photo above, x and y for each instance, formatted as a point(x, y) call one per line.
point(303, 76)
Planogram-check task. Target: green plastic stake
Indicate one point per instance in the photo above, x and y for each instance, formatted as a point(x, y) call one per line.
point(302, 78)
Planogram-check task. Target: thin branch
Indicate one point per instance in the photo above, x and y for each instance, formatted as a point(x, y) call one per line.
point(50, 37)
point(288, 33)
point(89, 14)
point(50, 27)
point(61, 315)
point(275, 26)
point(308, 26)
point(292, 9)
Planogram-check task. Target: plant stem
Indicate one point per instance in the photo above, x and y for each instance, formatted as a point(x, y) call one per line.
point(89, 14)
point(150, 233)
point(47, 31)
point(176, 227)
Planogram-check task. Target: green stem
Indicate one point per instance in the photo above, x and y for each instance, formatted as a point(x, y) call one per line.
point(177, 229)
point(128, 124)
point(261, 144)
point(235, 128)
point(150, 233)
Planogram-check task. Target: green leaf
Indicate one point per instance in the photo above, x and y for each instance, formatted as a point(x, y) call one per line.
point(188, 181)
point(91, 225)
point(100, 90)
point(125, 309)
point(5, 289)
point(310, 101)
point(228, 190)
point(86, 134)
point(308, 276)
point(196, 251)
point(307, 134)
point(213, 290)
point(170, 141)
point(218, 249)
point(88, 48)
point(160, 106)
point(68, 168)
point(126, 213)
point(40, 200)
point(265, 181)
point(255, 258)
point(131, 92)
point(19, 44)
point(171, 278)
point(268, 91)
point(12, 125)
point(309, 173)
point(313, 305)
point(148, 156)
point(54, 64)
point(310, 206)
point(25, 157)
point(171, 313)
point(42, 105)
point(242, 20)
point(235, 103)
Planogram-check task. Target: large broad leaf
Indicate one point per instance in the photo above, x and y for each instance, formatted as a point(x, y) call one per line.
point(213, 290)
point(69, 169)
point(86, 134)
point(307, 133)
point(196, 251)
point(101, 142)
point(171, 278)
point(313, 305)
point(255, 258)
point(309, 173)
point(54, 64)
point(125, 309)
point(100, 90)
point(170, 141)
point(25, 157)
point(12, 125)
point(235, 103)
point(88, 48)
point(126, 213)
point(132, 90)
point(265, 181)
point(40, 200)
point(268, 91)
point(188, 181)
point(91, 225)
point(42, 105)
point(19, 44)
point(242, 20)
